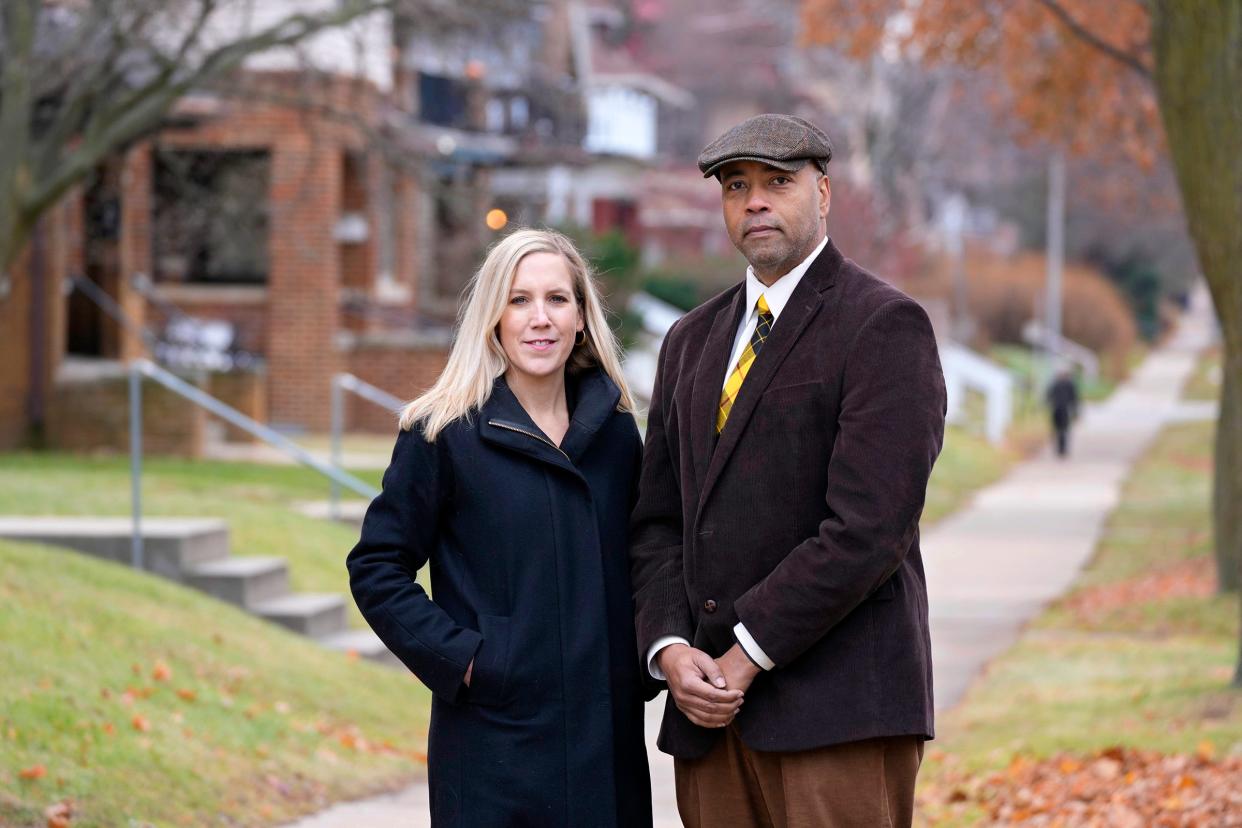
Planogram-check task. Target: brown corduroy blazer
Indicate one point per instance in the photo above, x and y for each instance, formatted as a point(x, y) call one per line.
point(801, 518)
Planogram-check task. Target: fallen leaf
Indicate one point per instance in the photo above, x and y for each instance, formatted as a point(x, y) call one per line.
point(161, 672)
point(187, 694)
point(60, 814)
point(33, 772)
point(140, 723)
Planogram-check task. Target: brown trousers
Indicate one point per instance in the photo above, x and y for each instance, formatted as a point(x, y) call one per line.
point(868, 784)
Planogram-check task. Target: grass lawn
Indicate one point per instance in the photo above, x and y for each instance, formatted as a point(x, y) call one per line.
point(967, 463)
point(146, 703)
point(1204, 383)
point(1139, 654)
point(149, 704)
point(1024, 363)
point(256, 500)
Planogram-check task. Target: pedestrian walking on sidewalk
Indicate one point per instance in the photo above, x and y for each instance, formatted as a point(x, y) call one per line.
point(1063, 405)
point(777, 574)
point(512, 480)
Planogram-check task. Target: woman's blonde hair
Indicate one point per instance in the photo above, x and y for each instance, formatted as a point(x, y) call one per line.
point(476, 357)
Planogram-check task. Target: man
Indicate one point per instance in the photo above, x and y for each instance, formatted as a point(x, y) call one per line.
point(1063, 404)
point(775, 556)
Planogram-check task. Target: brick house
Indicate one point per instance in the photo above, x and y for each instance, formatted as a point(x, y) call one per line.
point(324, 243)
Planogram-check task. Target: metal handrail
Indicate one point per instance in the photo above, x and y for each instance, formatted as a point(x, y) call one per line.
point(140, 368)
point(145, 287)
point(110, 306)
point(341, 383)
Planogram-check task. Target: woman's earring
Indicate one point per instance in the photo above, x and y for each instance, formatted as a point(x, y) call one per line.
point(581, 341)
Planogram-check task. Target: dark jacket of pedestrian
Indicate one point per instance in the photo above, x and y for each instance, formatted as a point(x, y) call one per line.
point(1063, 401)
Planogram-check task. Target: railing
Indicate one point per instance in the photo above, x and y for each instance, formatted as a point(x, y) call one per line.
point(141, 368)
point(109, 306)
point(184, 334)
point(340, 384)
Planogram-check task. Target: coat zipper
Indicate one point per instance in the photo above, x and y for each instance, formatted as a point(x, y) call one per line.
point(500, 424)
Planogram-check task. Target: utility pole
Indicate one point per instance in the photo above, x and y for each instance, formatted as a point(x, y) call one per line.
point(955, 209)
point(1056, 262)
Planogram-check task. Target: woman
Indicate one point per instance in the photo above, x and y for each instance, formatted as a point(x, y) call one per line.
point(513, 477)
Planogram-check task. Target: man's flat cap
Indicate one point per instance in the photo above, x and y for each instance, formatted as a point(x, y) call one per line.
point(783, 141)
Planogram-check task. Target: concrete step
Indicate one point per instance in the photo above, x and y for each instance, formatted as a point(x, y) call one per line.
point(363, 642)
point(245, 582)
point(170, 545)
point(312, 614)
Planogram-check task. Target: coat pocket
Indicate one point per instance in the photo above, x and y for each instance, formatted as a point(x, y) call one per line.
point(490, 676)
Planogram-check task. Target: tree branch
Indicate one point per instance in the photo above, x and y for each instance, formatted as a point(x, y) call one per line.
point(143, 111)
point(1092, 39)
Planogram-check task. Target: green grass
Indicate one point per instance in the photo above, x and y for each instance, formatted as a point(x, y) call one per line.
point(256, 500)
point(251, 726)
point(967, 463)
point(1150, 671)
point(1204, 383)
point(1025, 365)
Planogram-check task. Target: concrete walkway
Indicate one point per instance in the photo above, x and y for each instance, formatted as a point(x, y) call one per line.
point(990, 566)
point(1020, 542)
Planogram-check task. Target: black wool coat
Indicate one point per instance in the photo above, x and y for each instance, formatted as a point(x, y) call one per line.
point(802, 519)
point(527, 547)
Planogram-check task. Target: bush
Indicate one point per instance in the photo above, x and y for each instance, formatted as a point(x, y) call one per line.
point(1006, 292)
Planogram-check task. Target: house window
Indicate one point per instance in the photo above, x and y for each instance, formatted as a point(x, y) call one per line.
point(210, 216)
point(442, 101)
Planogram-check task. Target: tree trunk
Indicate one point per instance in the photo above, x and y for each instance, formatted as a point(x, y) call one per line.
point(1227, 491)
point(1198, 72)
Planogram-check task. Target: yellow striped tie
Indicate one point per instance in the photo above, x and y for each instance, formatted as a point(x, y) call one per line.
point(734, 385)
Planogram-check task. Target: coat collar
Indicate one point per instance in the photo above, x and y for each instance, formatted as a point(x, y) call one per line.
point(710, 454)
point(592, 397)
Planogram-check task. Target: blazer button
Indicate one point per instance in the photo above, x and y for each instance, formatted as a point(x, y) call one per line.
point(709, 605)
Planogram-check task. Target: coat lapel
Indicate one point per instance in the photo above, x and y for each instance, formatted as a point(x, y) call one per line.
point(709, 378)
point(594, 398)
point(804, 304)
point(503, 422)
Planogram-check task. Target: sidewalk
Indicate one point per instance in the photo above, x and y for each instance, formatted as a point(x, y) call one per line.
point(990, 567)
point(1020, 542)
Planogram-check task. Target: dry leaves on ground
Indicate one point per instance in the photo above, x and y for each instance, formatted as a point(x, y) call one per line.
point(1190, 579)
point(1116, 788)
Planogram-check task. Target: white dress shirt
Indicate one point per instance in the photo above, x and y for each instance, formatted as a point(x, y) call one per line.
point(778, 296)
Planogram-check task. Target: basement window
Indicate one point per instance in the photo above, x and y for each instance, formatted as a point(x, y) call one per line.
point(210, 217)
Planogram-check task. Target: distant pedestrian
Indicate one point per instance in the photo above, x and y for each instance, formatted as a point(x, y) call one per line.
point(1063, 403)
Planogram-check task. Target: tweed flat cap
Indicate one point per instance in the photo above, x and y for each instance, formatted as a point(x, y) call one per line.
point(783, 141)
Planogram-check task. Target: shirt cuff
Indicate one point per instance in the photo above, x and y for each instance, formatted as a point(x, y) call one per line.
point(660, 644)
point(751, 648)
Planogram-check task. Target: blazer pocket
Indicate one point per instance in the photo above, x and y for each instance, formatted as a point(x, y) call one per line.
point(490, 676)
point(791, 393)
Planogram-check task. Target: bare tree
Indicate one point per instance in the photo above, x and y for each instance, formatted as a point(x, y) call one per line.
point(81, 80)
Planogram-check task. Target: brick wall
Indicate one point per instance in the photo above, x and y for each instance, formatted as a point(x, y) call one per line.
point(244, 390)
point(15, 366)
point(91, 413)
point(22, 318)
point(402, 369)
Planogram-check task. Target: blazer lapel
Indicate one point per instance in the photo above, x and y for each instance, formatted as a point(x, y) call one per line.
point(709, 378)
point(804, 304)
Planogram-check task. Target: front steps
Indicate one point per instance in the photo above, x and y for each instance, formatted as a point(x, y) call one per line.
point(195, 552)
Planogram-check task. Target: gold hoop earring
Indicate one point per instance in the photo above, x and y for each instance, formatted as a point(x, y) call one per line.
point(581, 341)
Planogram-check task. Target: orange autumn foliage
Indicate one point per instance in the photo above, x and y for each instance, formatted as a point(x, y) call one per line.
point(1082, 84)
